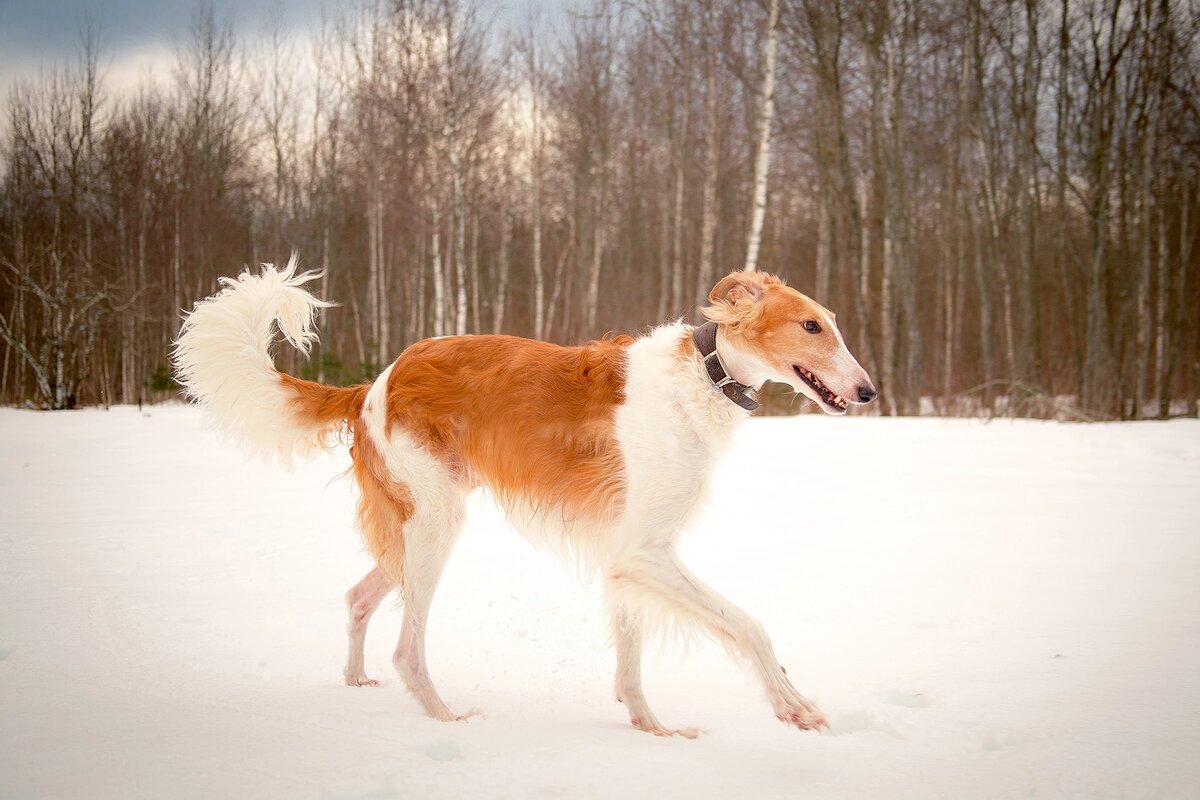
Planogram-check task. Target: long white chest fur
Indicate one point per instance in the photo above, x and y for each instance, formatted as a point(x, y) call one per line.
point(672, 427)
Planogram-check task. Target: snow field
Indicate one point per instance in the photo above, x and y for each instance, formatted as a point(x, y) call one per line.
point(983, 610)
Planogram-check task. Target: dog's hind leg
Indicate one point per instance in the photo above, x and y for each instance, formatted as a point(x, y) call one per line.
point(658, 583)
point(628, 636)
point(429, 538)
point(411, 511)
point(361, 602)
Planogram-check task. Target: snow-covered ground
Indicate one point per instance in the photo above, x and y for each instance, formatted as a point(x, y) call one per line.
point(983, 610)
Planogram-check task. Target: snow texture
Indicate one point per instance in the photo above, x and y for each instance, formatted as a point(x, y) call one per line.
point(983, 610)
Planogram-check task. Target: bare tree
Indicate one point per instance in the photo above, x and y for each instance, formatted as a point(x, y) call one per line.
point(52, 157)
point(534, 81)
point(706, 273)
point(762, 150)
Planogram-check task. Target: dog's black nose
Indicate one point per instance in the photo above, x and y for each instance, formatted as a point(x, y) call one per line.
point(866, 393)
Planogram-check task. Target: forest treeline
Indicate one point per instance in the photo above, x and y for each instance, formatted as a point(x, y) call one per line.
point(997, 197)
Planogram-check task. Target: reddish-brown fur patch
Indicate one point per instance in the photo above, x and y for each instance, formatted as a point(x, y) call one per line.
point(329, 407)
point(531, 420)
point(384, 505)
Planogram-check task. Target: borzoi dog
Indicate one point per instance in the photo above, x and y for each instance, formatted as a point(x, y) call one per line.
point(602, 450)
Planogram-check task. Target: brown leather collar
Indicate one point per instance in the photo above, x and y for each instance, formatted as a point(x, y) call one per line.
point(705, 337)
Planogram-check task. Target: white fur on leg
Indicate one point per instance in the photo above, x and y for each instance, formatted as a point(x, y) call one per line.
point(361, 602)
point(657, 587)
point(222, 357)
point(628, 638)
point(410, 663)
point(439, 508)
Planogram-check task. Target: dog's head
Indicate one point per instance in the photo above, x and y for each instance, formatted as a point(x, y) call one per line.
point(776, 334)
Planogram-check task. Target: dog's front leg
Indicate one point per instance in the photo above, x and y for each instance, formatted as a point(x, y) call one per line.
point(658, 584)
point(627, 634)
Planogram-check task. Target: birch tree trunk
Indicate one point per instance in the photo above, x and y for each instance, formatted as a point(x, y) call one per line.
point(705, 276)
point(677, 265)
point(592, 301)
point(383, 309)
point(460, 225)
point(539, 280)
point(501, 299)
point(439, 278)
point(460, 240)
point(373, 303)
point(762, 157)
point(824, 242)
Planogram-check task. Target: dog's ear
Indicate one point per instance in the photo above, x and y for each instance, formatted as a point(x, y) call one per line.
point(740, 286)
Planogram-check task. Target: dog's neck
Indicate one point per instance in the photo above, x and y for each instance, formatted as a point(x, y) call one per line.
point(716, 358)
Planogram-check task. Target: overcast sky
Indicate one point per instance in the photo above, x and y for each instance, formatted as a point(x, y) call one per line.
point(138, 34)
point(32, 31)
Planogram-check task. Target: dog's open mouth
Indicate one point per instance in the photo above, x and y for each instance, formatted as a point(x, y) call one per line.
point(835, 401)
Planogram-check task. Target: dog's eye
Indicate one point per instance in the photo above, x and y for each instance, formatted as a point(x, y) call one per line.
point(811, 326)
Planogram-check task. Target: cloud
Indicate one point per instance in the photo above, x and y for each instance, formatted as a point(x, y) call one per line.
point(134, 33)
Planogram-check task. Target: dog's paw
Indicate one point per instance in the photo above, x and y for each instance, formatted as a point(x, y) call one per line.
point(360, 680)
point(657, 729)
point(807, 718)
point(474, 712)
point(446, 715)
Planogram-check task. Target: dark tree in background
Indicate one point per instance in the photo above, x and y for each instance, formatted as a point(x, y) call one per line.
point(998, 197)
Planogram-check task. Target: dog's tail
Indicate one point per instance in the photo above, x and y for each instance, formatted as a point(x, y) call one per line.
point(222, 358)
